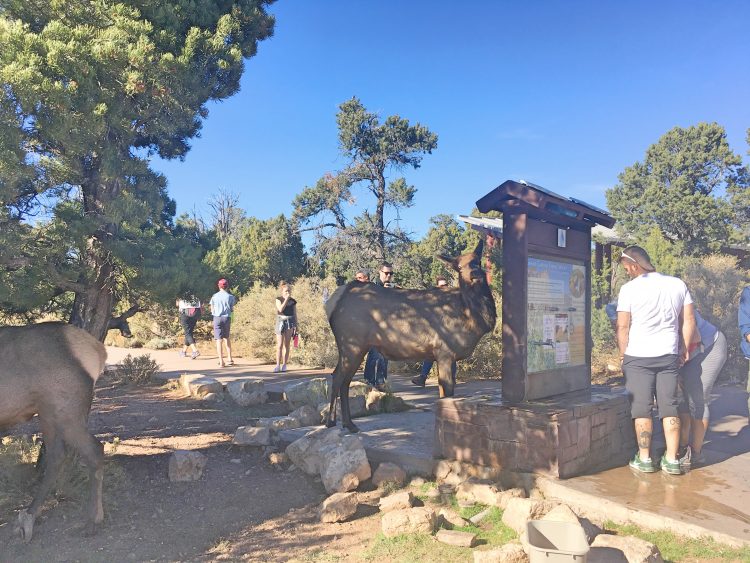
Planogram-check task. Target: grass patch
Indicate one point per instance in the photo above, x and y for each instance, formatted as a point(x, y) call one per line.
point(680, 548)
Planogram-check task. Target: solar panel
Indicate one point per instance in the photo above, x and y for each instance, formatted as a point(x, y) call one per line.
point(541, 189)
point(594, 207)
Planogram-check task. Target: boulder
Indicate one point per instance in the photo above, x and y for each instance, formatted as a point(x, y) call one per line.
point(420, 520)
point(344, 464)
point(198, 385)
point(338, 507)
point(305, 452)
point(388, 472)
point(454, 537)
point(479, 492)
point(276, 423)
point(450, 519)
point(608, 547)
point(252, 436)
point(520, 510)
point(357, 408)
point(396, 501)
point(308, 392)
point(306, 415)
point(212, 397)
point(563, 513)
point(378, 401)
point(246, 392)
point(509, 553)
point(508, 494)
point(479, 516)
point(186, 465)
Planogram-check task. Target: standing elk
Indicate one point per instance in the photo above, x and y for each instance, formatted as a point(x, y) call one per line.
point(442, 324)
point(50, 369)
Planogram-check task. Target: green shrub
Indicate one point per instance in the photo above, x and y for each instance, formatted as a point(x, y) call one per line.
point(715, 283)
point(159, 344)
point(137, 370)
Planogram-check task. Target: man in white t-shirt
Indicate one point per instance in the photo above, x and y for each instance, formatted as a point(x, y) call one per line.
point(654, 317)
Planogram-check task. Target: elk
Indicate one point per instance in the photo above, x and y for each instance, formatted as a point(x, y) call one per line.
point(442, 324)
point(50, 369)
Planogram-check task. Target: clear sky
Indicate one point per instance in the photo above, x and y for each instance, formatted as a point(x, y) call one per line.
point(564, 94)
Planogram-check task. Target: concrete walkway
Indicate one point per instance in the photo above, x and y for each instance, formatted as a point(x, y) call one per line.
point(714, 499)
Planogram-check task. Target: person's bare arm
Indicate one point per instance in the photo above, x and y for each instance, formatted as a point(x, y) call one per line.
point(688, 329)
point(281, 304)
point(623, 331)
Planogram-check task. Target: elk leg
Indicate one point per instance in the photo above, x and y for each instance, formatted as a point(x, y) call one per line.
point(446, 377)
point(349, 361)
point(335, 387)
point(346, 413)
point(54, 454)
point(91, 453)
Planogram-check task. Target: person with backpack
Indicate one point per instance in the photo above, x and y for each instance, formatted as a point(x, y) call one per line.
point(189, 310)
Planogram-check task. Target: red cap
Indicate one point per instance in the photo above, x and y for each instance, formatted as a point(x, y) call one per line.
point(222, 283)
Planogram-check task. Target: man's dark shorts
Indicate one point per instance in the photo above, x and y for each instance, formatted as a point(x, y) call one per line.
point(646, 376)
point(221, 327)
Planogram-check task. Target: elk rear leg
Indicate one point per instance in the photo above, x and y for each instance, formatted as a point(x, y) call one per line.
point(346, 414)
point(91, 453)
point(54, 454)
point(335, 386)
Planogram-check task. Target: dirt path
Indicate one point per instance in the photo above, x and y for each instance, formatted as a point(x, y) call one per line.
point(242, 509)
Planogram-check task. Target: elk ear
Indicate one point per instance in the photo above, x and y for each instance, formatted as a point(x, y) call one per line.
point(449, 261)
point(479, 249)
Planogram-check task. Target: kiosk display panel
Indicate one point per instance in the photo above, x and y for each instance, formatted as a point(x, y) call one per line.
point(556, 314)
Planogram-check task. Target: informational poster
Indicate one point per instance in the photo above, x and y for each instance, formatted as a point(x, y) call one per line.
point(556, 315)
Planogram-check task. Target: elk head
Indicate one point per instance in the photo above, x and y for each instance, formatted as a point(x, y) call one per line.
point(468, 266)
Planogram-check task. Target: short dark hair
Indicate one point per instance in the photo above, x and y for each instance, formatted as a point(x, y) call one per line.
point(386, 265)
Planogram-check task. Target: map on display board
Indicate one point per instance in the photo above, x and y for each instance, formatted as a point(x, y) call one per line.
point(556, 315)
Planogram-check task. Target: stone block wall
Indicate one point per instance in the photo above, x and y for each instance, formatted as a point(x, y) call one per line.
point(561, 436)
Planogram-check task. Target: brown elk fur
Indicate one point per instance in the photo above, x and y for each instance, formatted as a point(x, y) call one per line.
point(442, 324)
point(50, 369)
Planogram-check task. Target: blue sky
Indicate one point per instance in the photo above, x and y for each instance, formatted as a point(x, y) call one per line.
point(564, 94)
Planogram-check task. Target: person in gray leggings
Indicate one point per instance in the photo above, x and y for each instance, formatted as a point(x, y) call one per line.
point(697, 378)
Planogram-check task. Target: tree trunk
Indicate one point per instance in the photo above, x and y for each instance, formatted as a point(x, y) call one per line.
point(92, 307)
point(379, 218)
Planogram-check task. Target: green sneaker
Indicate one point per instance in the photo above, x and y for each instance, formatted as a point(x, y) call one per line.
point(638, 464)
point(671, 467)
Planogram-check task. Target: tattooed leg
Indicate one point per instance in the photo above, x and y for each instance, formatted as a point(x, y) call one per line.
point(644, 428)
point(672, 435)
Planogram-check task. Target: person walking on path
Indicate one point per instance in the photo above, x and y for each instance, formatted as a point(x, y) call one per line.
point(653, 312)
point(189, 312)
point(421, 379)
point(376, 365)
point(743, 319)
point(286, 324)
point(707, 356)
point(222, 303)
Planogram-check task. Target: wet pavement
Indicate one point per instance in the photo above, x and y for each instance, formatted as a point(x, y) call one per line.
point(714, 497)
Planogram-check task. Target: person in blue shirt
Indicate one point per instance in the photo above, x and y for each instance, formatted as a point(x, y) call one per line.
point(222, 303)
point(743, 319)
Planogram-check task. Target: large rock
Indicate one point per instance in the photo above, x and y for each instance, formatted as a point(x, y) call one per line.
point(454, 537)
point(357, 408)
point(479, 492)
point(396, 501)
point(509, 553)
point(338, 507)
point(377, 401)
point(307, 416)
point(508, 494)
point(420, 520)
point(247, 392)
point(308, 392)
point(276, 423)
point(305, 452)
point(388, 472)
point(520, 510)
point(198, 385)
point(186, 465)
point(344, 465)
point(610, 548)
point(252, 436)
point(450, 519)
point(563, 513)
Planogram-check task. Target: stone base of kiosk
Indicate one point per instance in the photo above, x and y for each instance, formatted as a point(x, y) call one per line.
point(560, 436)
